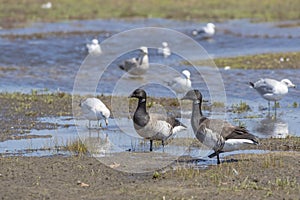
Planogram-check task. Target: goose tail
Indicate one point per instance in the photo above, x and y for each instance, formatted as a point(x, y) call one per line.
point(121, 67)
point(251, 84)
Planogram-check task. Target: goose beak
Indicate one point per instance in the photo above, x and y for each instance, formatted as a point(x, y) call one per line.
point(106, 122)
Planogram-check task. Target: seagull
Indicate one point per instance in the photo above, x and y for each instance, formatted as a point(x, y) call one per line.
point(153, 126)
point(164, 50)
point(227, 68)
point(215, 133)
point(180, 84)
point(206, 31)
point(94, 48)
point(272, 90)
point(94, 109)
point(47, 5)
point(137, 66)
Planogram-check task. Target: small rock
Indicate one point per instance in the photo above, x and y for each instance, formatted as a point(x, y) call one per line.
point(235, 171)
point(114, 165)
point(82, 184)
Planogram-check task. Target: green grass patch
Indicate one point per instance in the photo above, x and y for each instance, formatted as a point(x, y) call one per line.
point(217, 104)
point(262, 61)
point(295, 105)
point(240, 107)
point(77, 147)
point(27, 11)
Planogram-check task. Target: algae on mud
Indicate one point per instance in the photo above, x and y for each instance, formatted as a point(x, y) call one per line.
point(20, 112)
point(287, 60)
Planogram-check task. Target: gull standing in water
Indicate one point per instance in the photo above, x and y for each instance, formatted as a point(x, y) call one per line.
point(272, 90)
point(137, 66)
point(94, 48)
point(94, 109)
point(47, 5)
point(164, 50)
point(181, 84)
point(215, 133)
point(206, 31)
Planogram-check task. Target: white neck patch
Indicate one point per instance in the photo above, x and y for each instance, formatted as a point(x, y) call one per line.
point(196, 102)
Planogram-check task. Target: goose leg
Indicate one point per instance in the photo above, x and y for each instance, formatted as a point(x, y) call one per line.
point(269, 107)
point(218, 159)
point(151, 142)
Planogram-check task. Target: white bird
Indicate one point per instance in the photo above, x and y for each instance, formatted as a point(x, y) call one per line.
point(216, 133)
point(272, 90)
point(94, 109)
point(153, 126)
point(206, 31)
point(94, 48)
point(164, 50)
point(180, 84)
point(227, 68)
point(47, 5)
point(137, 66)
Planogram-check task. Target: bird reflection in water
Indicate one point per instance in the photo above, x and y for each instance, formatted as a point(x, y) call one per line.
point(273, 128)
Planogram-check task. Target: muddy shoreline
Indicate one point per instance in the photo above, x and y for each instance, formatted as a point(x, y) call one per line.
point(271, 176)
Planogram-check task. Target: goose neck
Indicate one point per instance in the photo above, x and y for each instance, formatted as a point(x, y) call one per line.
point(196, 115)
point(141, 105)
point(197, 111)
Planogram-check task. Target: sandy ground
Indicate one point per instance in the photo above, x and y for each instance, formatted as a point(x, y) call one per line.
point(268, 176)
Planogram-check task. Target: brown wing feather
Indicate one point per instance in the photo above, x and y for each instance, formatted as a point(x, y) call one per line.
point(229, 131)
point(241, 133)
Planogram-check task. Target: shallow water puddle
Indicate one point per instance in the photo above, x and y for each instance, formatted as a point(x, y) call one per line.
point(119, 146)
point(45, 142)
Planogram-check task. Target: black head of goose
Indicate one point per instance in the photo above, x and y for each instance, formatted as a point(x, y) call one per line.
point(215, 133)
point(153, 126)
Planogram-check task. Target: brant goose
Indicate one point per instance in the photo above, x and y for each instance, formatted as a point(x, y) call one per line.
point(94, 48)
point(153, 126)
point(272, 90)
point(206, 31)
point(164, 50)
point(180, 84)
point(215, 133)
point(137, 66)
point(94, 109)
